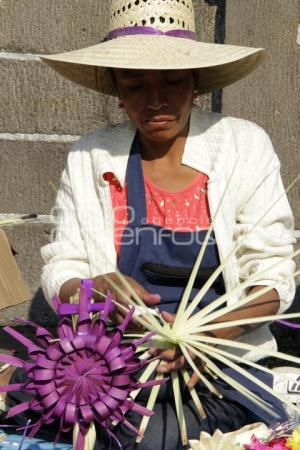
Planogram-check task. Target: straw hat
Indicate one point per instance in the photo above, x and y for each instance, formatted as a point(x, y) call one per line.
point(159, 35)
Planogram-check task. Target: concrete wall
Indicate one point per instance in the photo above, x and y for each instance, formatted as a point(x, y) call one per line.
point(41, 112)
point(270, 96)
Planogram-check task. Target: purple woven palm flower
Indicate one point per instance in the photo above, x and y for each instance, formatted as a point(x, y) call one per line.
point(85, 375)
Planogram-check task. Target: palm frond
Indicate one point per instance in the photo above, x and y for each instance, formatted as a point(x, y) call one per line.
point(188, 331)
point(150, 406)
point(191, 281)
point(179, 407)
point(17, 220)
point(194, 395)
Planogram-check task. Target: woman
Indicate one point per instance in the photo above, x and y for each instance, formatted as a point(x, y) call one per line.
point(141, 195)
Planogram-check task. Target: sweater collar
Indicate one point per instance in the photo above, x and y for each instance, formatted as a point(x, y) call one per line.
point(205, 142)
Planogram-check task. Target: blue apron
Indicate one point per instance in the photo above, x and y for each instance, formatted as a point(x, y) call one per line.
point(158, 258)
point(161, 261)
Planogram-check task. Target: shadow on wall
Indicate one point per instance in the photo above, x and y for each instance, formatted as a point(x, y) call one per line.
point(219, 38)
point(40, 310)
point(220, 19)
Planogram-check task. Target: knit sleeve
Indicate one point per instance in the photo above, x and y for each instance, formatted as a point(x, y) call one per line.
point(65, 257)
point(265, 225)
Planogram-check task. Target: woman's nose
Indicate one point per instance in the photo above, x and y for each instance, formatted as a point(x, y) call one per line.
point(156, 99)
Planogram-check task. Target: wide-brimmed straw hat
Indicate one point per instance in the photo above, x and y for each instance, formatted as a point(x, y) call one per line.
point(157, 35)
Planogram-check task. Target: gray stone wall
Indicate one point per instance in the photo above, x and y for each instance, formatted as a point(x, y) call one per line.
point(270, 96)
point(41, 112)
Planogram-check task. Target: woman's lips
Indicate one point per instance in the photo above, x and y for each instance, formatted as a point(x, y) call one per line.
point(159, 122)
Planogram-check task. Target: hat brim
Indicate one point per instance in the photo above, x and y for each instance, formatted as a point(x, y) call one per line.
point(217, 65)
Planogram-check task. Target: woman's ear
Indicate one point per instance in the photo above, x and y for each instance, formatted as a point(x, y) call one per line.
point(196, 94)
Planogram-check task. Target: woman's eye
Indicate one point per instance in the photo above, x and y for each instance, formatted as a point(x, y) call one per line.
point(135, 87)
point(174, 81)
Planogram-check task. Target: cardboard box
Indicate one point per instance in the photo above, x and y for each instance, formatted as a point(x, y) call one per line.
point(13, 289)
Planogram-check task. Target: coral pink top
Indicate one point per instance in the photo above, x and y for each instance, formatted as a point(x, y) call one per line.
point(186, 210)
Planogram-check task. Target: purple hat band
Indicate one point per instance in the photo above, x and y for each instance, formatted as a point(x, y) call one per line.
point(129, 31)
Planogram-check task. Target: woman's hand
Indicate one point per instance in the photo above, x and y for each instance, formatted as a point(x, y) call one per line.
point(173, 359)
point(102, 285)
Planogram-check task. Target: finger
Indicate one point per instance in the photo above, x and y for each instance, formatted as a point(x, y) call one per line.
point(162, 367)
point(177, 364)
point(134, 327)
point(116, 288)
point(147, 297)
point(170, 353)
point(168, 317)
point(121, 305)
point(151, 299)
point(166, 355)
point(100, 290)
point(123, 298)
point(193, 380)
point(165, 367)
point(153, 351)
point(99, 297)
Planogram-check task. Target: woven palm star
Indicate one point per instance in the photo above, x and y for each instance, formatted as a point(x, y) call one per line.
point(84, 376)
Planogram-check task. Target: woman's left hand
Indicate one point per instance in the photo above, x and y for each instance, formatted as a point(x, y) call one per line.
point(173, 359)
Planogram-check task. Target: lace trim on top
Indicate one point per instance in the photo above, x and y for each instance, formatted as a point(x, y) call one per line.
point(185, 210)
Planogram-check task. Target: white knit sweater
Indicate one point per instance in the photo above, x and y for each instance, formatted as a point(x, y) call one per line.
point(84, 247)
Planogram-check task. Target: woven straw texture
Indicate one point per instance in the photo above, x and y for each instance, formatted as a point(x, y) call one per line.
point(163, 14)
point(216, 65)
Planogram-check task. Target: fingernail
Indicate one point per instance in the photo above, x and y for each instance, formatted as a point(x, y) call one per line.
point(155, 297)
point(164, 370)
point(162, 367)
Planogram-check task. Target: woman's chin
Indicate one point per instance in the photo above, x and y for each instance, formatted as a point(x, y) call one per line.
point(163, 135)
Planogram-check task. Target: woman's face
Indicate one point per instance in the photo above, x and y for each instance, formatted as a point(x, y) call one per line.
point(158, 103)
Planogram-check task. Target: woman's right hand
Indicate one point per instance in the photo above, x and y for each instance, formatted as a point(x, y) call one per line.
point(102, 285)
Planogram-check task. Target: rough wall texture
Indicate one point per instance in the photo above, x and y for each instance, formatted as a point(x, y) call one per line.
point(270, 96)
point(35, 100)
point(49, 26)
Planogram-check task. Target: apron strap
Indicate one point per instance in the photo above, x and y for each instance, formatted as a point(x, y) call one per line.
point(135, 186)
